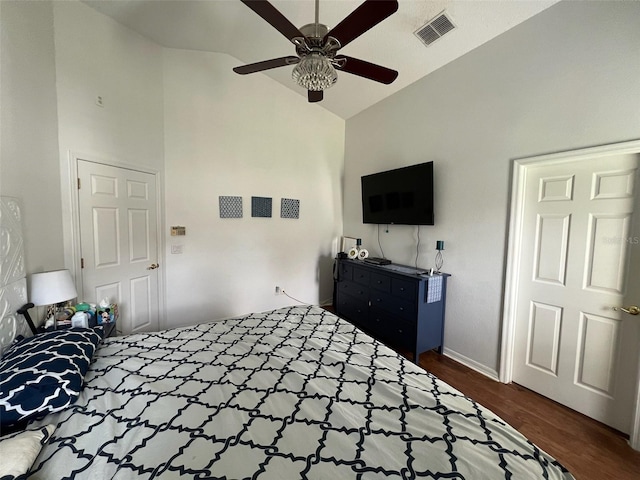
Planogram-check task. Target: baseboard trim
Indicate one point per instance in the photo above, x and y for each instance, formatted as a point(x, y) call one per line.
point(472, 364)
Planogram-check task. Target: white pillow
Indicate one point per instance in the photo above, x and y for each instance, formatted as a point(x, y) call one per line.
point(19, 450)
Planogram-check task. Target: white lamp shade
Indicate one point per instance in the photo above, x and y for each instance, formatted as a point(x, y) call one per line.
point(49, 288)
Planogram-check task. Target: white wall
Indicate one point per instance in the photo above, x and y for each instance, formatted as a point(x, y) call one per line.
point(97, 57)
point(565, 79)
point(208, 132)
point(246, 136)
point(29, 130)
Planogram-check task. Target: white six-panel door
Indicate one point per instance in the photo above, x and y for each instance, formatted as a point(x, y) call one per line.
point(577, 234)
point(118, 221)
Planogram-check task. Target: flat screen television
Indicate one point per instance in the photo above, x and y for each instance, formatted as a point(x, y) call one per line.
point(403, 196)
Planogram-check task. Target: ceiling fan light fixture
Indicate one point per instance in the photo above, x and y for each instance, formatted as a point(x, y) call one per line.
point(315, 72)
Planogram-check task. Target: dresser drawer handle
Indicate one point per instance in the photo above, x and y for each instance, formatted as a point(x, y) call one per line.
point(399, 331)
point(402, 309)
point(402, 289)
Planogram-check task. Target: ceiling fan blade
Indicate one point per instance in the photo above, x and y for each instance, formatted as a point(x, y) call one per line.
point(366, 16)
point(368, 70)
point(266, 65)
point(315, 95)
point(273, 16)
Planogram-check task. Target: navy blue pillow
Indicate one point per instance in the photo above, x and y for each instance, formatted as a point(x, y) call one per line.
point(44, 373)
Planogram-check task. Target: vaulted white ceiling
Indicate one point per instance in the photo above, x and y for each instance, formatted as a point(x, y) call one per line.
point(228, 26)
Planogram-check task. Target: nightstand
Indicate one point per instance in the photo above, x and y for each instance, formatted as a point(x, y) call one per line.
point(109, 329)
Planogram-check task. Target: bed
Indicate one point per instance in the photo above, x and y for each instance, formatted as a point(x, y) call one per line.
point(293, 393)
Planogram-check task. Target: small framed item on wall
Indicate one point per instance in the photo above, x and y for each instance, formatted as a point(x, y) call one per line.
point(261, 207)
point(230, 207)
point(289, 208)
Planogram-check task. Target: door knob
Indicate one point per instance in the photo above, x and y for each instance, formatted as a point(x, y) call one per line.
point(632, 310)
point(153, 266)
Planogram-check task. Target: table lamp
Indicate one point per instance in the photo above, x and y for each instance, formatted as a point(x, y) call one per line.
point(48, 288)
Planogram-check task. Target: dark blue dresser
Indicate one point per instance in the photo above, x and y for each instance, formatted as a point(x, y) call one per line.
point(393, 303)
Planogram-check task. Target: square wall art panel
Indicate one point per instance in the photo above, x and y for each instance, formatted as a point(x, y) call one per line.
point(289, 208)
point(230, 207)
point(261, 207)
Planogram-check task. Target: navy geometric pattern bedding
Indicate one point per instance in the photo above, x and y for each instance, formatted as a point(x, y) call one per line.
point(44, 373)
point(296, 393)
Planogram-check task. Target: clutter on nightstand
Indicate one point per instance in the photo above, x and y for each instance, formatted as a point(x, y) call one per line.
point(106, 312)
point(83, 314)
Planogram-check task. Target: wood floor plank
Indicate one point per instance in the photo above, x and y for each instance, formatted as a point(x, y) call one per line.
point(588, 449)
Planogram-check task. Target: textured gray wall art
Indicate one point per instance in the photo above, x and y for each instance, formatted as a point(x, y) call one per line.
point(230, 207)
point(289, 208)
point(261, 207)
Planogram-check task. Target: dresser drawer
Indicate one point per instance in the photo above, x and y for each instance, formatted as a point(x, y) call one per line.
point(404, 288)
point(391, 329)
point(352, 308)
point(381, 282)
point(387, 304)
point(354, 289)
point(345, 271)
point(397, 306)
point(361, 275)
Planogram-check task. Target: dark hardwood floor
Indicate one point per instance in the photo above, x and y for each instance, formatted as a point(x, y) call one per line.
point(588, 449)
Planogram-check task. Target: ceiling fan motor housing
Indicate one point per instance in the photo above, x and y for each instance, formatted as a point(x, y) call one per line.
point(314, 34)
point(314, 30)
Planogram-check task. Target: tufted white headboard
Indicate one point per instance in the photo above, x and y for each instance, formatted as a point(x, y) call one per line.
point(13, 282)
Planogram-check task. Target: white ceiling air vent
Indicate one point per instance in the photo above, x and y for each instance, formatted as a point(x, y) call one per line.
point(434, 29)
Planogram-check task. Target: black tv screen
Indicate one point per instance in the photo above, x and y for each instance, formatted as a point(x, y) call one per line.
point(403, 196)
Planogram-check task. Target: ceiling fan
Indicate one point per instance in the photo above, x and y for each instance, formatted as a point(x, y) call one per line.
point(317, 46)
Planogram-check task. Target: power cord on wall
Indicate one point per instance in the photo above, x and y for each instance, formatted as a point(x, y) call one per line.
point(418, 247)
point(293, 298)
point(379, 244)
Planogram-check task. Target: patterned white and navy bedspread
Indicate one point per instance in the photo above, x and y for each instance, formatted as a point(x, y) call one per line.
point(296, 393)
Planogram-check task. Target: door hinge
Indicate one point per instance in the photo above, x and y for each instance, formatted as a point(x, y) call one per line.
point(82, 263)
point(78, 183)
